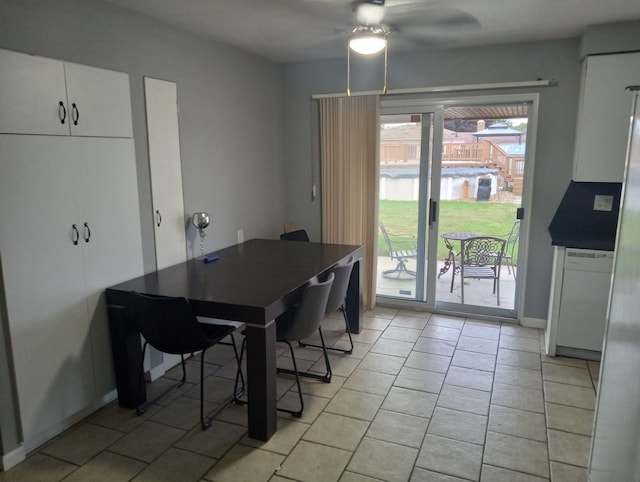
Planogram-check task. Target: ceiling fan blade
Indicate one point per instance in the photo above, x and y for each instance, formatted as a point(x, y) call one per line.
point(437, 23)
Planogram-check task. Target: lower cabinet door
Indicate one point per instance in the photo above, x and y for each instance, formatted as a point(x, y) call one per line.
point(43, 280)
point(111, 240)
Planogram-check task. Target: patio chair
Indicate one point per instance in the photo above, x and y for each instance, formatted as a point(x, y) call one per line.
point(400, 255)
point(512, 240)
point(480, 258)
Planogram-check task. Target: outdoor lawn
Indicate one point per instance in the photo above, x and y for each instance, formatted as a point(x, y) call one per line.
point(485, 218)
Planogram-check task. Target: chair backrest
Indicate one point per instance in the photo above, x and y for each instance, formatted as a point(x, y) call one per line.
point(167, 324)
point(512, 237)
point(482, 251)
point(338, 293)
point(309, 313)
point(298, 235)
point(385, 236)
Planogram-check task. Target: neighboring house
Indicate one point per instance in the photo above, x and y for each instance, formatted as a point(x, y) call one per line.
point(496, 153)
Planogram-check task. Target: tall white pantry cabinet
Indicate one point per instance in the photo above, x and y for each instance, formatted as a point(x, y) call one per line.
point(69, 227)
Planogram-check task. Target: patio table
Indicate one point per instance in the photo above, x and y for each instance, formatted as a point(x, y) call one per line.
point(458, 236)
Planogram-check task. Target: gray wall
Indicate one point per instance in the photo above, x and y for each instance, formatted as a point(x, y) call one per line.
point(230, 106)
point(557, 60)
point(230, 121)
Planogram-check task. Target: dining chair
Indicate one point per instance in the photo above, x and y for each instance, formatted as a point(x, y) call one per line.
point(338, 294)
point(338, 302)
point(480, 258)
point(297, 235)
point(169, 325)
point(300, 322)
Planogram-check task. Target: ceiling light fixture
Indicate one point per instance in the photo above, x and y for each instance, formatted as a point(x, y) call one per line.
point(367, 40)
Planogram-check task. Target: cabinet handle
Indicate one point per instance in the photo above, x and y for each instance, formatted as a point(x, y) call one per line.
point(158, 218)
point(87, 233)
point(76, 235)
point(62, 112)
point(75, 114)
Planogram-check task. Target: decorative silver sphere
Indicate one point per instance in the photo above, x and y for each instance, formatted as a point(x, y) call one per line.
point(201, 222)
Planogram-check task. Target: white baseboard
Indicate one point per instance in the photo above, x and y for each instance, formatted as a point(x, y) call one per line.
point(13, 458)
point(68, 422)
point(156, 372)
point(534, 322)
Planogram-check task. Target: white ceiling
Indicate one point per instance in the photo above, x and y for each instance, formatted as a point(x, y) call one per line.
point(296, 30)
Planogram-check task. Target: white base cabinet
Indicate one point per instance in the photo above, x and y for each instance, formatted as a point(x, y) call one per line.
point(70, 228)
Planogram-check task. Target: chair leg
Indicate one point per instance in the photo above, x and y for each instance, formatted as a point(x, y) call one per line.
point(295, 413)
point(326, 378)
point(236, 395)
point(348, 351)
point(348, 330)
point(400, 268)
point(239, 374)
point(453, 277)
point(240, 401)
point(204, 424)
point(140, 409)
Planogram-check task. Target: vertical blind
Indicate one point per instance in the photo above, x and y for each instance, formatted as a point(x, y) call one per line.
point(349, 140)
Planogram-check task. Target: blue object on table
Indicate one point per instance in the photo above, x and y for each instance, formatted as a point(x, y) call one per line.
point(211, 257)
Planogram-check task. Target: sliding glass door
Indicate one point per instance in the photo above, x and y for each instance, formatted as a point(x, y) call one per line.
point(451, 171)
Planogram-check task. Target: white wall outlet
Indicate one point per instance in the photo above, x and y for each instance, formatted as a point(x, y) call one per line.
point(603, 202)
point(240, 236)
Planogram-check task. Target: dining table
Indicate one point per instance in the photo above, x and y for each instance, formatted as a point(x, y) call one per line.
point(252, 282)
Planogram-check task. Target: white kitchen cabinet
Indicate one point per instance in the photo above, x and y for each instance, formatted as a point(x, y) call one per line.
point(69, 228)
point(50, 97)
point(161, 100)
point(108, 202)
point(603, 119)
point(55, 274)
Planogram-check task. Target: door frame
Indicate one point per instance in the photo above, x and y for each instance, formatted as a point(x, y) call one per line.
point(434, 103)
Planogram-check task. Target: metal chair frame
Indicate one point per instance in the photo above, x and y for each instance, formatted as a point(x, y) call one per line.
point(480, 258)
point(400, 255)
point(300, 322)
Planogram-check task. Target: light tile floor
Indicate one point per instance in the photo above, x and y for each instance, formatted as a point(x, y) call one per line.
point(422, 398)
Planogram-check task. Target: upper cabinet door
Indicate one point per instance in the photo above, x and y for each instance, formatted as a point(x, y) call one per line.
point(603, 122)
point(33, 98)
point(99, 102)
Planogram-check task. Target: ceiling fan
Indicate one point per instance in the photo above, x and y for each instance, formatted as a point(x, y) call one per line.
point(411, 23)
point(411, 20)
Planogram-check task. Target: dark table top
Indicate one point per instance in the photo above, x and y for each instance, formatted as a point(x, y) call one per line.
point(253, 282)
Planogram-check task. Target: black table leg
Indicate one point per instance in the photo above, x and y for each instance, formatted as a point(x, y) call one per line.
point(261, 380)
point(354, 314)
point(127, 358)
